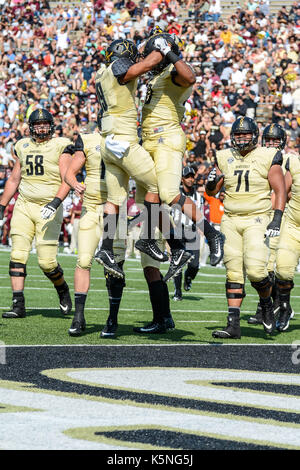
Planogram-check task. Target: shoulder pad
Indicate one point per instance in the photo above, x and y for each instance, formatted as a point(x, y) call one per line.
point(278, 158)
point(120, 66)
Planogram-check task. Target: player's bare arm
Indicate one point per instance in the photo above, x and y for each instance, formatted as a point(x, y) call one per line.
point(277, 183)
point(142, 67)
point(50, 209)
point(185, 75)
point(288, 184)
point(64, 162)
point(12, 184)
point(74, 168)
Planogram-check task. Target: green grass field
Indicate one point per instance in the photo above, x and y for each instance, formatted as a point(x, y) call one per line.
point(202, 310)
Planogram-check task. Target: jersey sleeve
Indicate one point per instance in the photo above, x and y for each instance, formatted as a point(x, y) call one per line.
point(79, 144)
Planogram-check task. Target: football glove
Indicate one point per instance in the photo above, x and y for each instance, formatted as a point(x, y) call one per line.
point(162, 46)
point(2, 209)
point(213, 179)
point(49, 209)
point(273, 229)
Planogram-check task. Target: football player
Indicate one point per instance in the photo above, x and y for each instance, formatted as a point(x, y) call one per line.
point(189, 231)
point(249, 173)
point(288, 248)
point(41, 162)
point(94, 192)
point(162, 320)
point(116, 86)
point(162, 135)
point(273, 135)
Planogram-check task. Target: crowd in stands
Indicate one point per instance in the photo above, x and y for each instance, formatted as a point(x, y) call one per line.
point(246, 63)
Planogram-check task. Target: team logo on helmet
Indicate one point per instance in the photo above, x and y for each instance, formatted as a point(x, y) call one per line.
point(37, 116)
point(121, 48)
point(244, 125)
point(274, 136)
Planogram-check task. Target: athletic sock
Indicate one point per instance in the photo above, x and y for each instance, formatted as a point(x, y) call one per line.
point(159, 298)
point(110, 222)
point(209, 231)
point(234, 312)
point(80, 299)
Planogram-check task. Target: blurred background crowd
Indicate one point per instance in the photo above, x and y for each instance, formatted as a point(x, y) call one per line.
point(247, 63)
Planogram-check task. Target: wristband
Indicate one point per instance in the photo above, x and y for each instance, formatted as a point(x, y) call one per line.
point(55, 203)
point(277, 216)
point(172, 57)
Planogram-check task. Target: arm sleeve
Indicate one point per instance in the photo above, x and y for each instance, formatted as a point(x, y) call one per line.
point(79, 145)
point(277, 159)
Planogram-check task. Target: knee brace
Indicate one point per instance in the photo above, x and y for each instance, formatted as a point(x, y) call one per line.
point(56, 274)
point(263, 285)
point(235, 295)
point(284, 286)
point(13, 265)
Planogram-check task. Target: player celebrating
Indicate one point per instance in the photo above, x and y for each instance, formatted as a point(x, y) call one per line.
point(273, 136)
point(249, 173)
point(116, 87)
point(163, 137)
point(41, 162)
point(94, 192)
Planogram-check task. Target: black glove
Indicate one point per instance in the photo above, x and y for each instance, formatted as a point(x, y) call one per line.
point(273, 229)
point(49, 209)
point(213, 179)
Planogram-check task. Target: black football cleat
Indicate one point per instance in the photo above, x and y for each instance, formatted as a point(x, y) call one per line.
point(65, 301)
point(179, 258)
point(257, 318)
point(284, 316)
point(187, 284)
point(216, 248)
point(177, 296)
point(231, 331)
point(77, 327)
point(150, 248)
point(110, 330)
point(268, 319)
point(107, 259)
point(169, 323)
point(17, 310)
point(151, 328)
point(276, 306)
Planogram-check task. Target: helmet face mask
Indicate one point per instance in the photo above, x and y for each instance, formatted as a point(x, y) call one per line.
point(244, 134)
point(274, 136)
point(41, 124)
point(121, 48)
